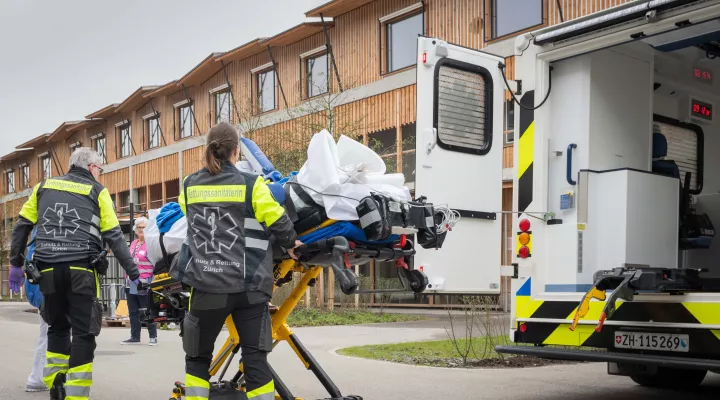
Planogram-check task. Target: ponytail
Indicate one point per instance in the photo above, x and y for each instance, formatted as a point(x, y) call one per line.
point(222, 140)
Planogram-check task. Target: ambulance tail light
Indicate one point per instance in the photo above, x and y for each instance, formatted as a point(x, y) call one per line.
point(524, 252)
point(524, 225)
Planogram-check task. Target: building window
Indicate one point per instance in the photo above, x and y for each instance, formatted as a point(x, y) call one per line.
point(10, 177)
point(99, 146)
point(125, 141)
point(185, 120)
point(152, 127)
point(25, 170)
point(317, 75)
point(265, 84)
point(46, 167)
point(401, 41)
point(512, 16)
point(509, 126)
point(223, 107)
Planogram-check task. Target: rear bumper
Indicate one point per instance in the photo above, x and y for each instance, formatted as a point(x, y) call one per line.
point(613, 357)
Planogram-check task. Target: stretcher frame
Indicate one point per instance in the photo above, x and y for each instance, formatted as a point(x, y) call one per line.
point(339, 249)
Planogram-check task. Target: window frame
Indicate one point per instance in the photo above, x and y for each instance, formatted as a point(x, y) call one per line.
point(214, 93)
point(306, 74)
point(10, 181)
point(178, 107)
point(147, 133)
point(506, 120)
point(41, 165)
point(384, 24)
point(119, 128)
point(25, 175)
point(490, 22)
point(95, 140)
point(264, 69)
point(488, 133)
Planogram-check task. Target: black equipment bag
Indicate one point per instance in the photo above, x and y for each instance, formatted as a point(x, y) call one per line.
point(303, 211)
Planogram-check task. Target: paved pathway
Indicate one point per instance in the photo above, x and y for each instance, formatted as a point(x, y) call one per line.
point(143, 372)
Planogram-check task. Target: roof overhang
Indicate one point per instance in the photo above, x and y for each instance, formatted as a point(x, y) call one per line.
point(34, 142)
point(63, 131)
point(336, 7)
point(296, 33)
point(88, 123)
point(135, 100)
point(15, 155)
point(247, 50)
point(168, 88)
point(203, 71)
point(103, 112)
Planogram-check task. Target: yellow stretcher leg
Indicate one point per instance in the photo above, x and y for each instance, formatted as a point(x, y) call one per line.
point(280, 332)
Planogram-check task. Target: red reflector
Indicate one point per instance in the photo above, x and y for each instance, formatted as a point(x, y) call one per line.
point(524, 225)
point(424, 58)
point(403, 241)
point(523, 328)
point(524, 252)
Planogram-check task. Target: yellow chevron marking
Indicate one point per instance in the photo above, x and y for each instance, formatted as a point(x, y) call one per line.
point(526, 148)
point(706, 313)
point(562, 335)
point(526, 307)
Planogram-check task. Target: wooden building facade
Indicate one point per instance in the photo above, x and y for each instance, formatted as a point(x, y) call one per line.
point(350, 70)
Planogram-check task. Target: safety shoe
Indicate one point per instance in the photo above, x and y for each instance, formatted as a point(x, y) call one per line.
point(131, 341)
point(153, 341)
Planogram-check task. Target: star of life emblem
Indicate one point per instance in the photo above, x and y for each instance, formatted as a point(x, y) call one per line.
point(60, 220)
point(219, 239)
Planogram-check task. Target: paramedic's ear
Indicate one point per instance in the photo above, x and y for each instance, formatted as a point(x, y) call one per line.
point(235, 155)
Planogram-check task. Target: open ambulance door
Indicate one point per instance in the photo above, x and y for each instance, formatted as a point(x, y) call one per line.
point(459, 163)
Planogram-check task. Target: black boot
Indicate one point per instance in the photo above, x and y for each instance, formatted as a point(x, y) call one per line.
point(57, 391)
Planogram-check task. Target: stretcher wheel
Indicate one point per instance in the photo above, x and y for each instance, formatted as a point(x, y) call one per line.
point(418, 281)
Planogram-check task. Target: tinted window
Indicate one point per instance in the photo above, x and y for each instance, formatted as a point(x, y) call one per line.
point(402, 42)
point(510, 16)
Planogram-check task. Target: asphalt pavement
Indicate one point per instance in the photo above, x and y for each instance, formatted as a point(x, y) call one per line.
point(144, 372)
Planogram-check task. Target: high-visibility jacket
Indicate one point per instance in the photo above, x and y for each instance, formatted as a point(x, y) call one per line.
point(231, 217)
point(74, 214)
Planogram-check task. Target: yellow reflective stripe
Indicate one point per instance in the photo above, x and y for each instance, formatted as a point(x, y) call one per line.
point(181, 197)
point(196, 388)
point(268, 388)
point(267, 209)
point(190, 299)
point(97, 284)
point(216, 194)
point(527, 145)
point(68, 186)
point(108, 218)
point(81, 269)
point(706, 314)
point(45, 270)
point(29, 210)
point(50, 354)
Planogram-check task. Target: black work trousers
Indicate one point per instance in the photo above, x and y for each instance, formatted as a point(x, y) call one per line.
point(70, 304)
point(201, 327)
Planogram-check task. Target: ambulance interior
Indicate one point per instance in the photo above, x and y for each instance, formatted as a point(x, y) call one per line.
point(627, 126)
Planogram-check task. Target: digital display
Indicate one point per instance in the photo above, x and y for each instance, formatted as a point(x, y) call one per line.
point(701, 110)
point(703, 74)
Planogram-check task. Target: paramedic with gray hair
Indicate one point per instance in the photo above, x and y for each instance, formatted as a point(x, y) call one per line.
point(74, 216)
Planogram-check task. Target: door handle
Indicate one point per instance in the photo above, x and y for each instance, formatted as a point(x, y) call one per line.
point(570, 148)
point(431, 140)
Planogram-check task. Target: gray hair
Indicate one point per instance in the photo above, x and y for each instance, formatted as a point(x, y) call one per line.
point(82, 157)
point(138, 221)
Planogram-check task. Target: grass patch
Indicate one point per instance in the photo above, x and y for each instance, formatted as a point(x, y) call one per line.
point(317, 317)
point(442, 353)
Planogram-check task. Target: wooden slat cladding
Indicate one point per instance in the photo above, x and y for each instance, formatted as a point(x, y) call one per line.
point(151, 172)
point(578, 8)
point(193, 160)
point(456, 21)
point(116, 181)
point(508, 157)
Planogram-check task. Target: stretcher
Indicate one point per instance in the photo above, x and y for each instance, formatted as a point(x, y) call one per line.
point(337, 253)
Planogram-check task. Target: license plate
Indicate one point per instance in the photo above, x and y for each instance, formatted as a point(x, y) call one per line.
point(652, 341)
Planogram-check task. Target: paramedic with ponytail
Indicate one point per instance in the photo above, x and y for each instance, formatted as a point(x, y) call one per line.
point(232, 219)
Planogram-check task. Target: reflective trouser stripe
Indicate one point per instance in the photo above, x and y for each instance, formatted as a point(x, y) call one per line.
point(79, 380)
point(196, 388)
point(265, 392)
point(56, 364)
